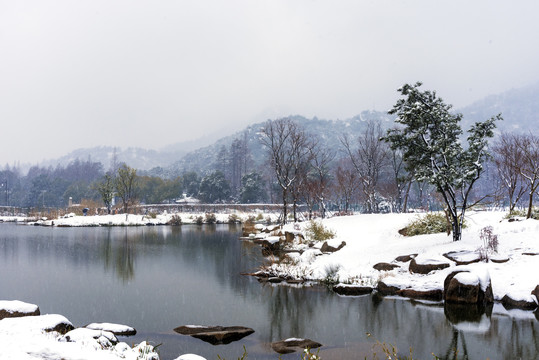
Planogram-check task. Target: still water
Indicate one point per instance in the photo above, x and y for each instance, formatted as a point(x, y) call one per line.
point(158, 278)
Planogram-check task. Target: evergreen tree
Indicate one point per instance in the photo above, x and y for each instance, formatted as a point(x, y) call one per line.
point(430, 143)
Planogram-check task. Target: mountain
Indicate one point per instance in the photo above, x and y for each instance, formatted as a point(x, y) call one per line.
point(519, 109)
point(204, 160)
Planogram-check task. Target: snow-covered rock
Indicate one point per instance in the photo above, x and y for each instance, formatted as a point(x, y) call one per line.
point(16, 308)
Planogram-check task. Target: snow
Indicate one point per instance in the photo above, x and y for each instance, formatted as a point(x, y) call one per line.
point(190, 357)
point(114, 328)
point(467, 278)
point(30, 337)
point(13, 306)
point(374, 238)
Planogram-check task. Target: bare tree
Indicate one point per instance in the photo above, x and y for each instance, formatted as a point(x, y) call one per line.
point(368, 158)
point(529, 165)
point(347, 182)
point(319, 177)
point(508, 155)
point(286, 143)
point(127, 187)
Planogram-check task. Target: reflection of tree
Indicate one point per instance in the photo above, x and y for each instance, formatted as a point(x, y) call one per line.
point(125, 258)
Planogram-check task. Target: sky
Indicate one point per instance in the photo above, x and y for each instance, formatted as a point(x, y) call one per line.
point(78, 74)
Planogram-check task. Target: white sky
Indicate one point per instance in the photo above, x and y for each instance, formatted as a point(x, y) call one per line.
point(151, 73)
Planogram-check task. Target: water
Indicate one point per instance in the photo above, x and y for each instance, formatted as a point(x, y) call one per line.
point(158, 278)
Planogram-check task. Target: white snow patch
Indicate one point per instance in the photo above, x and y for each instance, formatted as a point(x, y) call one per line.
point(13, 306)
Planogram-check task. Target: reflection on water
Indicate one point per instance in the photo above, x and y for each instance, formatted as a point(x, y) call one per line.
point(158, 278)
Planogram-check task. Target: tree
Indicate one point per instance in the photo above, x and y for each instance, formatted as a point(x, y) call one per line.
point(369, 158)
point(430, 143)
point(214, 188)
point(529, 165)
point(105, 188)
point(252, 189)
point(286, 144)
point(347, 184)
point(508, 156)
point(127, 187)
point(318, 177)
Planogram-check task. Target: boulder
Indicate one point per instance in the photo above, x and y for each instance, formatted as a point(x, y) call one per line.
point(328, 248)
point(463, 257)
point(15, 308)
point(435, 294)
point(519, 301)
point(352, 290)
point(536, 292)
point(384, 289)
point(116, 329)
point(293, 344)
point(385, 266)
point(499, 259)
point(405, 258)
point(215, 335)
point(465, 287)
point(426, 266)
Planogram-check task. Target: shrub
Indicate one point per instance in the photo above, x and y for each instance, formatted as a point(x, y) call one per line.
point(523, 213)
point(430, 223)
point(259, 217)
point(211, 218)
point(233, 219)
point(199, 220)
point(151, 215)
point(318, 232)
point(490, 242)
point(175, 220)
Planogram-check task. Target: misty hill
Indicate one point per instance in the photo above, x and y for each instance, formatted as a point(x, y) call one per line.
point(204, 160)
point(519, 108)
point(135, 157)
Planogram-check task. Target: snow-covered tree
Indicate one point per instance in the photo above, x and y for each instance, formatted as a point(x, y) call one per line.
point(214, 188)
point(429, 139)
point(252, 189)
point(105, 188)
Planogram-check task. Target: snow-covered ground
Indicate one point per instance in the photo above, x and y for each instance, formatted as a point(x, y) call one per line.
point(371, 239)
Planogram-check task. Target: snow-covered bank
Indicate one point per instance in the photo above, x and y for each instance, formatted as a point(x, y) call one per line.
point(45, 337)
point(71, 220)
point(372, 239)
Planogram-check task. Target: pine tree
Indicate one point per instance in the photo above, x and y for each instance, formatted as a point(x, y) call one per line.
point(430, 142)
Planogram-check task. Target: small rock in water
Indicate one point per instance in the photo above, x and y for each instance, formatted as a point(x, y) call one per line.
point(293, 344)
point(215, 335)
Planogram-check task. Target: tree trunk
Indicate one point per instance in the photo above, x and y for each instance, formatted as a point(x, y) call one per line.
point(530, 206)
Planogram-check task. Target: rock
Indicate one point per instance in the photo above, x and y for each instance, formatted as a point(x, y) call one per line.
point(435, 294)
point(328, 248)
point(463, 257)
point(498, 259)
point(105, 339)
point(426, 266)
point(116, 329)
point(289, 236)
point(385, 266)
point(464, 287)
point(528, 302)
point(530, 253)
point(215, 335)
point(405, 258)
point(352, 290)
point(536, 292)
point(384, 289)
point(293, 344)
point(16, 308)
point(275, 279)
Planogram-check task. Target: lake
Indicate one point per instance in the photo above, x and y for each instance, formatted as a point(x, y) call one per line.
point(158, 278)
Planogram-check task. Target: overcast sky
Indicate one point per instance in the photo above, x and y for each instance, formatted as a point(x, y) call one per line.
point(152, 73)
